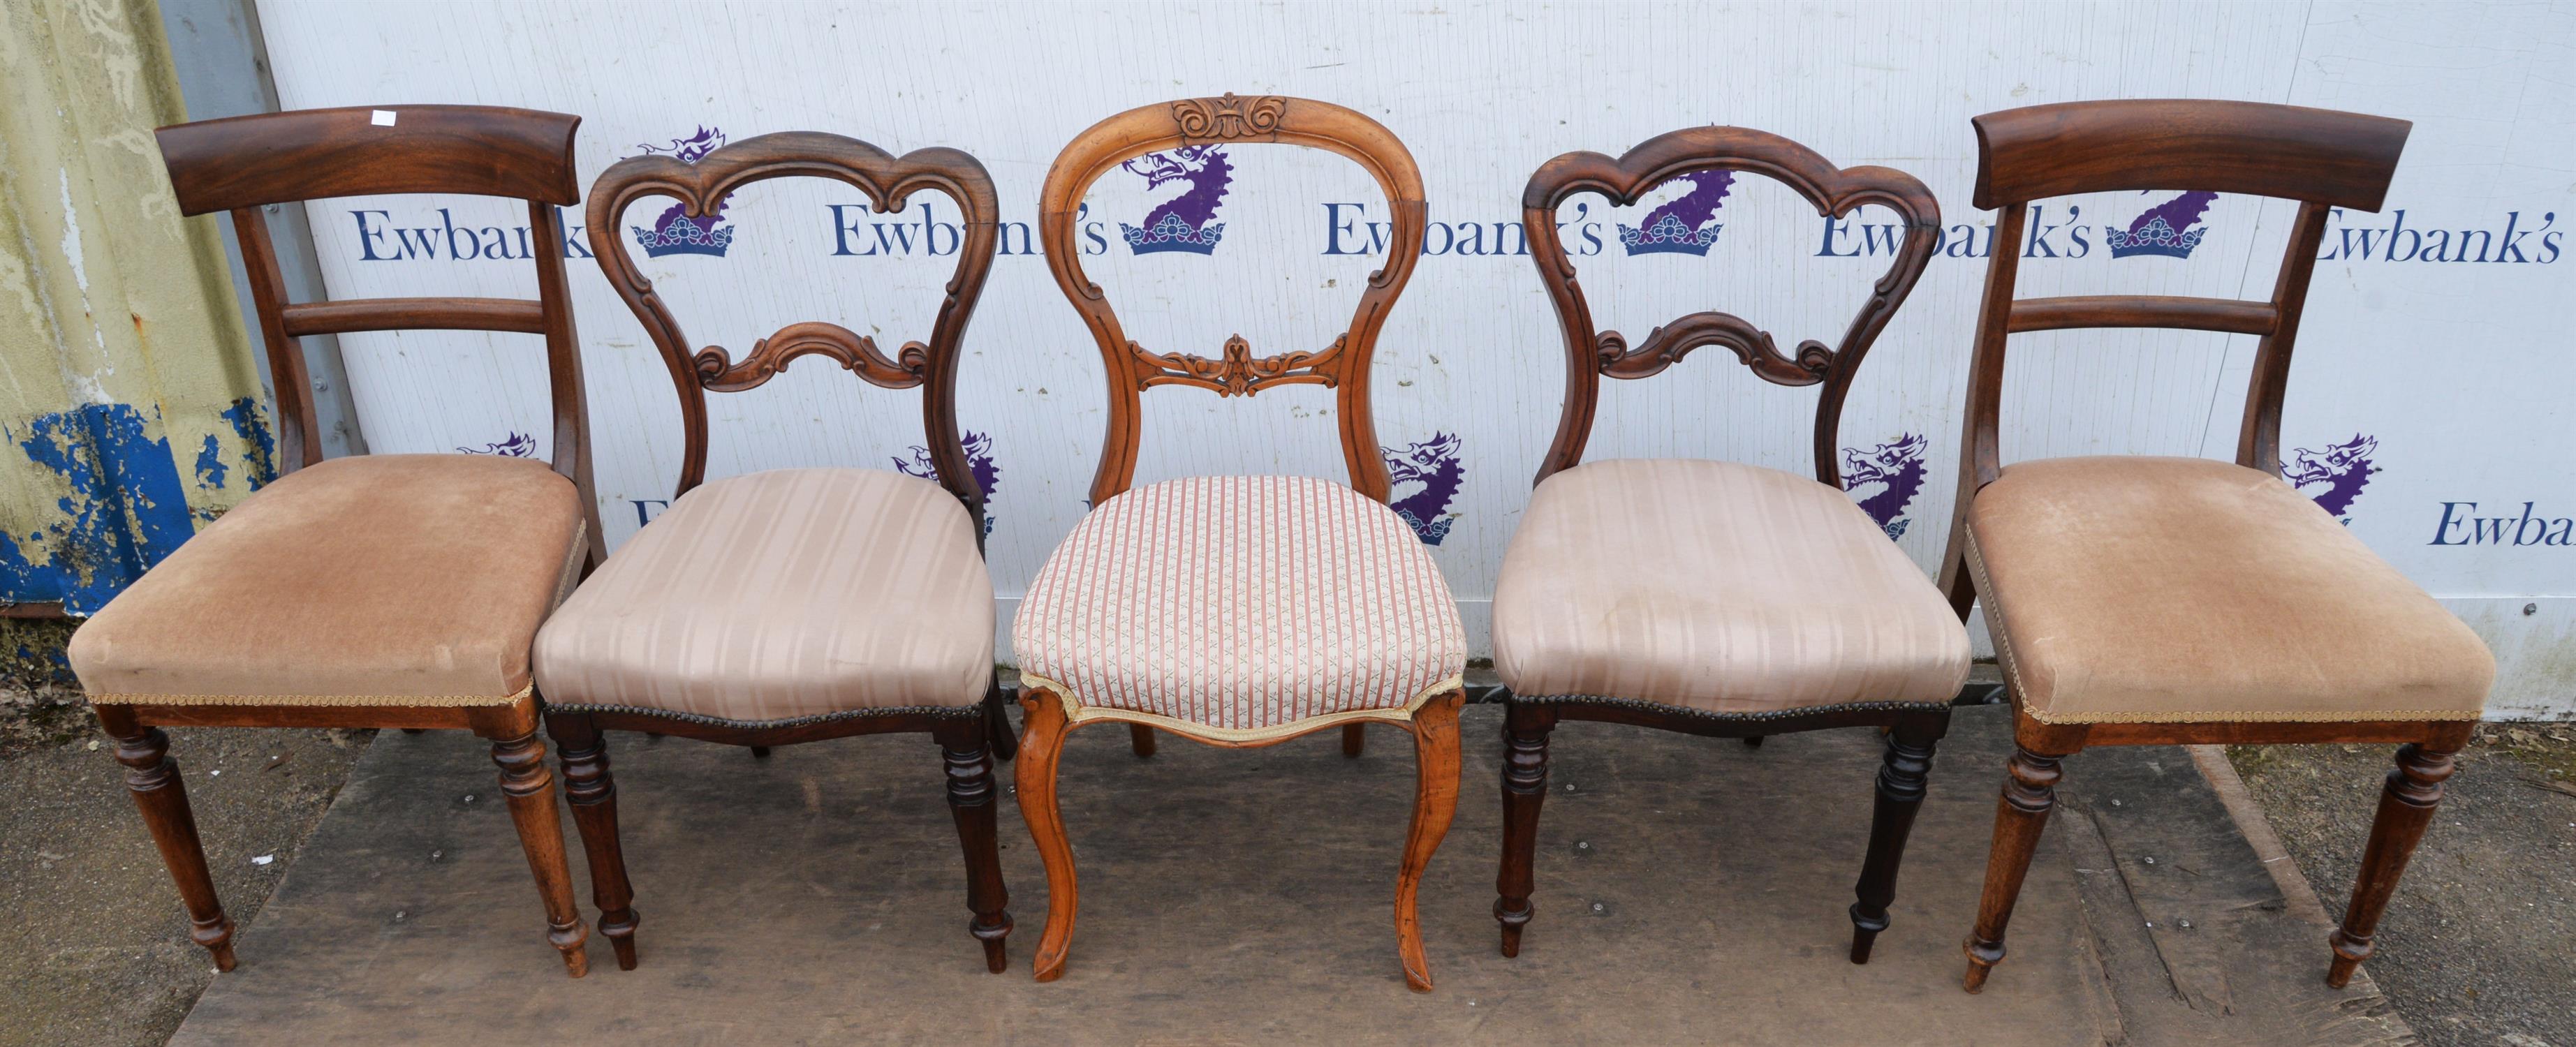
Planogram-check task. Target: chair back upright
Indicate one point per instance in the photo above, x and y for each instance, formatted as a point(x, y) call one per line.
point(1342, 366)
point(1833, 191)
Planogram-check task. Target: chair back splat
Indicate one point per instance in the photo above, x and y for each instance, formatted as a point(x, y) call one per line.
point(1833, 191)
point(1342, 366)
point(888, 181)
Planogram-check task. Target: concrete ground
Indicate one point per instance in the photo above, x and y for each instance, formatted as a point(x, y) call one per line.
point(2488, 907)
point(1720, 873)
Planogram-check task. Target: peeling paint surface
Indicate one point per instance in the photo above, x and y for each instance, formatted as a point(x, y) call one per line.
point(126, 510)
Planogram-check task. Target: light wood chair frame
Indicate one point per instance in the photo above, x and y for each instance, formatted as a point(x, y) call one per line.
point(1342, 366)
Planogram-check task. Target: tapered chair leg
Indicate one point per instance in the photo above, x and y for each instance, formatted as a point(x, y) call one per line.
point(1525, 729)
point(1435, 802)
point(583, 751)
point(1901, 779)
point(2405, 808)
point(1354, 739)
point(1034, 775)
point(163, 799)
point(2030, 792)
point(1141, 739)
point(971, 801)
point(531, 792)
point(1004, 743)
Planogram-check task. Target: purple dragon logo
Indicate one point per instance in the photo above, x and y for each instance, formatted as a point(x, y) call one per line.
point(1684, 224)
point(675, 232)
point(979, 461)
point(519, 445)
point(1898, 466)
point(1434, 465)
point(2343, 468)
point(1186, 222)
point(2164, 230)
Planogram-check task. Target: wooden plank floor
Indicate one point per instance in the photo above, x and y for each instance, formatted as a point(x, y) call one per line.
point(1690, 891)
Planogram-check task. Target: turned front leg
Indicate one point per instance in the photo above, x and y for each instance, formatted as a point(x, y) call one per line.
point(2405, 808)
point(963, 752)
point(1525, 730)
point(531, 792)
point(583, 750)
point(1902, 775)
point(2030, 792)
point(153, 778)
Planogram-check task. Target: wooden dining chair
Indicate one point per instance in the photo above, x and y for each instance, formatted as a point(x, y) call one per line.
point(386, 590)
point(1717, 598)
point(1239, 611)
point(2140, 600)
point(790, 605)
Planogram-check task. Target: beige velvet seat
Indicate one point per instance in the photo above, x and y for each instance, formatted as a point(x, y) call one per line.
point(1716, 586)
point(383, 580)
point(2098, 573)
point(779, 596)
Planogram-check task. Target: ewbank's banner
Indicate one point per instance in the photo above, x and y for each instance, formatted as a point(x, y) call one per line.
point(2426, 406)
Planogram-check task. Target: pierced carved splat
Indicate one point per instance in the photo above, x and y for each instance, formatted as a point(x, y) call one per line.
point(1834, 191)
point(1666, 345)
point(1342, 366)
point(855, 352)
point(1239, 373)
point(888, 182)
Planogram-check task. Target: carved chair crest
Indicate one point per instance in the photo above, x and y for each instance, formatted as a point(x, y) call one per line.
point(888, 182)
point(1193, 124)
point(1834, 191)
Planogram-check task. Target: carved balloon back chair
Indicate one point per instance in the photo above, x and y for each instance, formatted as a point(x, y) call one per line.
point(793, 605)
point(1715, 598)
point(1238, 611)
point(373, 590)
point(2137, 600)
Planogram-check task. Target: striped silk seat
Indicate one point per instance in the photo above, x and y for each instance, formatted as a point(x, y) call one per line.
point(782, 595)
point(1243, 607)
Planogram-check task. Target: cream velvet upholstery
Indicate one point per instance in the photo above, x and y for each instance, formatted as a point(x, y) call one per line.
point(367, 580)
point(782, 595)
point(1716, 586)
point(1242, 604)
point(2181, 589)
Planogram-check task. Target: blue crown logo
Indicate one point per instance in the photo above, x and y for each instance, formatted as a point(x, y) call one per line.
point(679, 235)
point(1173, 233)
point(2154, 238)
point(1669, 236)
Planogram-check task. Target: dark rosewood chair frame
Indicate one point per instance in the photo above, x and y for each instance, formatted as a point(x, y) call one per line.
point(2322, 159)
point(968, 737)
point(1342, 367)
point(1913, 728)
point(243, 164)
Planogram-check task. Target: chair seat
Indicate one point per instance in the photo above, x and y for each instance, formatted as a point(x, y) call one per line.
point(782, 595)
point(1242, 606)
point(2184, 590)
point(1719, 587)
point(385, 580)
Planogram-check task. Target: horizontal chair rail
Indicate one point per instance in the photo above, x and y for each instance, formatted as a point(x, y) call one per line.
point(2166, 311)
point(414, 314)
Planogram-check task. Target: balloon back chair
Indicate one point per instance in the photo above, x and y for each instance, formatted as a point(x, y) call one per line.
point(2139, 600)
point(1716, 598)
point(384, 590)
point(1238, 611)
point(791, 605)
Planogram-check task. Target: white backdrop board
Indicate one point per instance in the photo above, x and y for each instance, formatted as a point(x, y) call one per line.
point(2426, 401)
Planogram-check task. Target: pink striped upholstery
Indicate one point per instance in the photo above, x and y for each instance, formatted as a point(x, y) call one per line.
point(782, 595)
point(1242, 603)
